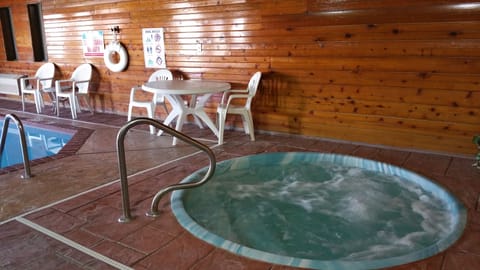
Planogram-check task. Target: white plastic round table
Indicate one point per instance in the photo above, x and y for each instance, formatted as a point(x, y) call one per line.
point(173, 91)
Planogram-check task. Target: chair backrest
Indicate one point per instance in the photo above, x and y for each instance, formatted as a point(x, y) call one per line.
point(252, 88)
point(46, 70)
point(161, 74)
point(82, 73)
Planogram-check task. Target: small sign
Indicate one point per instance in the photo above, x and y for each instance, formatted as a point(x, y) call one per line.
point(92, 42)
point(154, 48)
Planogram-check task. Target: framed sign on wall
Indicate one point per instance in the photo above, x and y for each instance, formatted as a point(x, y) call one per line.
point(92, 42)
point(154, 47)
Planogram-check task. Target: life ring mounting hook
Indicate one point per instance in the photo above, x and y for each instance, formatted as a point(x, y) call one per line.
point(115, 51)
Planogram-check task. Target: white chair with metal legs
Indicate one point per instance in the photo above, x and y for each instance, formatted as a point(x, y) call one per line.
point(149, 105)
point(43, 79)
point(227, 107)
point(72, 89)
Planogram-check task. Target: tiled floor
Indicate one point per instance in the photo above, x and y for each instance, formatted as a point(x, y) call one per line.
point(65, 217)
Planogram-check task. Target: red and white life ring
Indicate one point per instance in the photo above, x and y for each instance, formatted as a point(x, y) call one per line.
point(110, 59)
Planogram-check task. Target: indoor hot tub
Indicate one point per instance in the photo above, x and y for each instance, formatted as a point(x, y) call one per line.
point(320, 211)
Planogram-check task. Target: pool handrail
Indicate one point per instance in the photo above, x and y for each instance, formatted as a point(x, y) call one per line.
point(153, 212)
point(23, 142)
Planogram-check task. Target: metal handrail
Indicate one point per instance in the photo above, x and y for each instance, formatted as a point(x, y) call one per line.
point(126, 214)
point(23, 142)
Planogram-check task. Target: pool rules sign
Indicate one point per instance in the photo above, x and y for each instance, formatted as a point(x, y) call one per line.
point(153, 48)
point(92, 43)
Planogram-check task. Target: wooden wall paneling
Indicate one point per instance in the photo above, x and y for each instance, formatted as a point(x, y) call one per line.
point(342, 129)
point(407, 95)
point(390, 64)
point(391, 109)
point(378, 79)
point(319, 5)
point(403, 12)
point(399, 73)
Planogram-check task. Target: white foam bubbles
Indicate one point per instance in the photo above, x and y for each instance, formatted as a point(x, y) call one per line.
point(332, 211)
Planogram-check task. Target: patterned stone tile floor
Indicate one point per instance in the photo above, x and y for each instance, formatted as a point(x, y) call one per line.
point(65, 217)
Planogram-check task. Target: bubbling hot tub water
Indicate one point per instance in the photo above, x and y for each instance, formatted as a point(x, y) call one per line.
point(320, 211)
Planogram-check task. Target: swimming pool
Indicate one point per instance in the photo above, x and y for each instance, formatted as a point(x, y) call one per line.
point(41, 142)
point(320, 211)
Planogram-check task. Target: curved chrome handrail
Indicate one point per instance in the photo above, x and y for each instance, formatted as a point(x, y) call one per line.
point(126, 214)
point(23, 142)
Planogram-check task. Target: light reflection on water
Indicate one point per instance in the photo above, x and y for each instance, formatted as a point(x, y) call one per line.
point(40, 143)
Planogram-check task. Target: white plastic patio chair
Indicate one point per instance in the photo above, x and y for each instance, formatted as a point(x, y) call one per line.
point(226, 107)
point(43, 79)
point(74, 88)
point(150, 106)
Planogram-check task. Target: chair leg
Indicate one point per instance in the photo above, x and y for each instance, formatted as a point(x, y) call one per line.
point(78, 109)
point(73, 106)
point(129, 115)
point(221, 116)
point(150, 111)
point(40, 98)
point(23, 102)
point(38, 103)
point(249, 123)
point(57, 101)
point(41, 104)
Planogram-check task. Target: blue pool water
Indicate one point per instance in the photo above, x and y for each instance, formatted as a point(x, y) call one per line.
point(320, 211)
point(41, 143)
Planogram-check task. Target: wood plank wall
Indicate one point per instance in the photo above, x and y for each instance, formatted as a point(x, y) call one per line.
point(396, 73)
